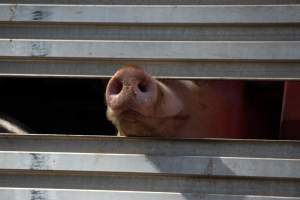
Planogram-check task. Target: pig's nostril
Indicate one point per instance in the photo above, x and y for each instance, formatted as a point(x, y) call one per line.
point(143, 87)
point(116, 87)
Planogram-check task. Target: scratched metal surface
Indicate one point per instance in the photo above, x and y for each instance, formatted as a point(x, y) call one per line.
point(151, 165)
point(178, 14)
point(48, 194)
point(151, 32)
point(288, 51)
point(35, 167)
point(151, 146)
point(226, 36)
point(55, 166)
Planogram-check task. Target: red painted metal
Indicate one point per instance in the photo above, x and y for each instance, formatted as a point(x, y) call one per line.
point(290, 119)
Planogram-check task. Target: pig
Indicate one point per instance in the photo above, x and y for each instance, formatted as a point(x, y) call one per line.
point(139, 105)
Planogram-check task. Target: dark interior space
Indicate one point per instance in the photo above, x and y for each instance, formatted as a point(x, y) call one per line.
point(76, 106)
point(56, 106)
point(264, 98)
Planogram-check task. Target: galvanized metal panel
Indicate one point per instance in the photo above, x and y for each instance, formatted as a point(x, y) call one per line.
point(122, 170)
point(181, 32)
point(156, 2)
point(161, 183)
point(151, 50)
point(139, 31)
point(151, 146)
point(163, 69)
point(163, 169)
point(179, 165)
point(151, 14)
point(60, 194)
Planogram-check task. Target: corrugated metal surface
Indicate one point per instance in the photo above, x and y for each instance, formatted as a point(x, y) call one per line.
point(83, 167)
point(227, 39)
point(156, 2)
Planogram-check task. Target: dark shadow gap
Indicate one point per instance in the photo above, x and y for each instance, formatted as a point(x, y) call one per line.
point(77, 106)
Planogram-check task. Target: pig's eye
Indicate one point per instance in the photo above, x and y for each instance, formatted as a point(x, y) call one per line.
point(142, 86)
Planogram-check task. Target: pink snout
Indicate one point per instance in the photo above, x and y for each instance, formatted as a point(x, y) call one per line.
point(131, 88)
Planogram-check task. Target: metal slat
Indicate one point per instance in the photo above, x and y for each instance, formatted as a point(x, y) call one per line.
point(151, 146)
point(150, 14)
point(59, 194)
point(151, 50)
point(163, 69)
point(176, 32)
point(152, 169)
point(176, 165)
point(135, 182)
point(158, 50)
point(164, 167)
point(156, 2)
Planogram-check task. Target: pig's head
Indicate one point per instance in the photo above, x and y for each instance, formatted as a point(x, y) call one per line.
point(139, 105)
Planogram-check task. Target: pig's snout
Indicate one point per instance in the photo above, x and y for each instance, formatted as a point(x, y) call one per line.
point(131, 88)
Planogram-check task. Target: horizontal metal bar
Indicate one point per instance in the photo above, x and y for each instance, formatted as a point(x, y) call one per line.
point(134, 182)
point(151, 50)
point(150, 14)
point(151, 146)
point(176, 165)
point(56, 194)
point(182, 32)
point(161, 69)
point(156, 2)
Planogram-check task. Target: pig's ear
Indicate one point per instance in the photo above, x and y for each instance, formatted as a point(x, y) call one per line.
point(169, 104)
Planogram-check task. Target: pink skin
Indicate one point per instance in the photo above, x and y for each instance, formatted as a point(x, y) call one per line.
point(139, 105)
